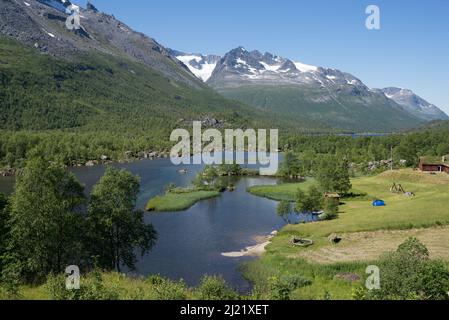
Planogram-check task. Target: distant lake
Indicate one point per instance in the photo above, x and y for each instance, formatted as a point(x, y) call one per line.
point(191, 242)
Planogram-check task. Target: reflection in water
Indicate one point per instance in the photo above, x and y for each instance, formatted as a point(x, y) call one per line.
point(191, 242)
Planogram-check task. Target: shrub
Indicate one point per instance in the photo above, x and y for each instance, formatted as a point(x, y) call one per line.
point(282, 287)
point(214, 288)
point(331, 209)
point(410, 274)
point(164, 289)
point(312, 201)
point(91, 288)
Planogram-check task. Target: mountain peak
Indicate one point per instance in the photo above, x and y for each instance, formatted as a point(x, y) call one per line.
point(414, 103)
point(91, 7)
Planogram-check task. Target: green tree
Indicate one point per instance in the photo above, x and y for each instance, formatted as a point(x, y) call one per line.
point(230, 169)
point(4, 230)
point(333, 175)
point(409, 273)
point(342, 180)
point(325, 174)
point(291, 166)
point(331, 209)
point(310, 201)
point(115, 227)
point(46, 219)
point(284, 209)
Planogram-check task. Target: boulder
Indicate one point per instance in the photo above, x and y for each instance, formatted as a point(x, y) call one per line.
point(335, 238)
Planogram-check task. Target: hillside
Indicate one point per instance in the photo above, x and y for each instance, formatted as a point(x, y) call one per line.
point(344, 108)
point(104, 76)
point(330, 96)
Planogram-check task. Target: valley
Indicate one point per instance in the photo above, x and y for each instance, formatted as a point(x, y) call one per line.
point(89, 117)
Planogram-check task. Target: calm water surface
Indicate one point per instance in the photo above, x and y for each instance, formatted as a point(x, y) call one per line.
point(191, 242)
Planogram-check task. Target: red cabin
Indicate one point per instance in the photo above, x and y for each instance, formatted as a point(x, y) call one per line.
point(434, 164)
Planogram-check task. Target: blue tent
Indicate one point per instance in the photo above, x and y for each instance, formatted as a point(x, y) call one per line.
point(379, 203)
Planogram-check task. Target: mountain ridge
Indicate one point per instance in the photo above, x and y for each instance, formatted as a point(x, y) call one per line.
point(322, 98)
point(272, 70)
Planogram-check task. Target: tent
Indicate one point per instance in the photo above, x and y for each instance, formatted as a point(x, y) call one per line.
point(379, 203)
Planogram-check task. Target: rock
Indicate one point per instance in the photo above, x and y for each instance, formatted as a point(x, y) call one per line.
point(334, 238)
point(91, 7)
point(7, 172)
point(129, 154)
point(349, 277)
point(90, 163)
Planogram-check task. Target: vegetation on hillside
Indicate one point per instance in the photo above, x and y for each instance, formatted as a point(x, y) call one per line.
point(47, 229)
point(322, 108)
point(75, 111)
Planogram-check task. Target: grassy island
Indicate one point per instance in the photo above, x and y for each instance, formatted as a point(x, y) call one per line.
point(179, 200)
point(281, 192)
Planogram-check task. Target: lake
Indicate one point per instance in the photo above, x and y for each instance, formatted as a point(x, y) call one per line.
point(191, 242)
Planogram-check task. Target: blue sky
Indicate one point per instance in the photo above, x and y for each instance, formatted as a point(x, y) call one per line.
point(411, 50)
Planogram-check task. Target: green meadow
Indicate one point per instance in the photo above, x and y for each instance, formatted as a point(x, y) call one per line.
point(325, 263)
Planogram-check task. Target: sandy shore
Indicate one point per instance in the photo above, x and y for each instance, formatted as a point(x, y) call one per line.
point(253, 251)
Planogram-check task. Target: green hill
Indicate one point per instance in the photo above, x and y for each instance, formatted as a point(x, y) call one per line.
point(336, 109)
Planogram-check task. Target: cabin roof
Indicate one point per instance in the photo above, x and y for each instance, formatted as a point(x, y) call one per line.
point(332, 195)
point(435, 160)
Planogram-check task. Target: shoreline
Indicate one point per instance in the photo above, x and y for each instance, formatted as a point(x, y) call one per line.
point(252, 251)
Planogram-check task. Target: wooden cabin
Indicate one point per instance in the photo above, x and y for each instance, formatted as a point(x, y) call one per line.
point(434, 164)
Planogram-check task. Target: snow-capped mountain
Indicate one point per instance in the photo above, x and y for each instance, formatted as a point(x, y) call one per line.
point(240, 65)
point(200, 65)
point(242, 70)
point(254, 67)
point(414, 103)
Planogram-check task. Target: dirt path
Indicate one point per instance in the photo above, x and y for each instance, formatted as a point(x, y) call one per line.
point(369, 246)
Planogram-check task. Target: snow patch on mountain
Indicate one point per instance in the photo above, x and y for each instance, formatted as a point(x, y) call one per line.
point(60, 5)
point(201, 66)
point(305, 67)
point(414, 103)
point(240, 66)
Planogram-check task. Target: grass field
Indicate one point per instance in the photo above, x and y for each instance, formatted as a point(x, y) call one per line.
point(367, 232)
point(179, 201)
point(282, 192)
point(114, 286)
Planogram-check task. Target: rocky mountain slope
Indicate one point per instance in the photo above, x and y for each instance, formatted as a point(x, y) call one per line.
point(104, 76)
point(41, 24)
point(52, 77)
point(338, 99)
point(414, 104)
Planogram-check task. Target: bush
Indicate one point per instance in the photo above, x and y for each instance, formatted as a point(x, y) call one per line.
point(214, 288)
point(312, 201)
point(283, 210)
point(164, 289)
point(331, 207)
point(91, 288)
point(282, 287)
point(410, 274)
